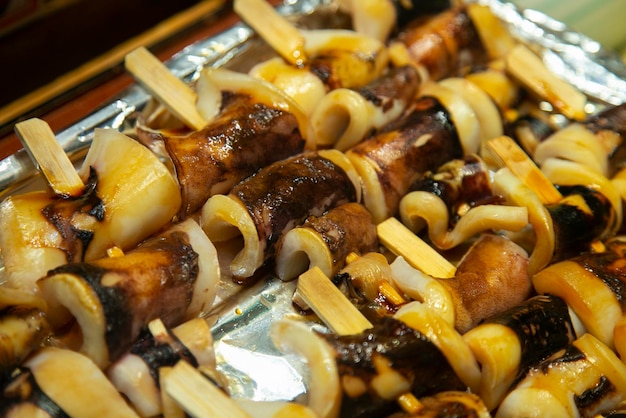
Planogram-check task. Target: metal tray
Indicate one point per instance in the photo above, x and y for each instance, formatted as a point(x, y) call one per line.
point(254, 368)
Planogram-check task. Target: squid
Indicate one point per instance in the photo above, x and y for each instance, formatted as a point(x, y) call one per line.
point(344, 117)
point(582, 380)
point(106, 303)
point(326, 241)
point(456, 203)
point(58, 382)
point(592, 285)
point(507, 345)
point(446, 44)
point(490, 278)
point(384, 362)
point(254, 125)
point(389, 162)
point(125, 200)
point(23, 327)
point(136, 373)
point(263, 207)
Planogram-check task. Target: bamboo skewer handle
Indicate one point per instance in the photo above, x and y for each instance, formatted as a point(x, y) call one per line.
point(508, 153)
point(197, 395)
point(50, 158)
point(173, 93)
point(401, 241)
point(337, 312)
point(281, 35)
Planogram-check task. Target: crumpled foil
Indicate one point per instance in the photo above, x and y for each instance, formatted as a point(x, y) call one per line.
point(241, 318)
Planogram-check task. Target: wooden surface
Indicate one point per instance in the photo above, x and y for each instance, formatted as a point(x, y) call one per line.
point(94, 83)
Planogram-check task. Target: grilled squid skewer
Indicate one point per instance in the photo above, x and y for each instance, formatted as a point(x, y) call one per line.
point(281, 196)
point(60, 383)
point(591, 284)
point(172, 276)
point(136, 374)
point(344, 117)
point(508, 344)
point(326, 241)
point(125, 201)
point(391, 161)
point(582, 380)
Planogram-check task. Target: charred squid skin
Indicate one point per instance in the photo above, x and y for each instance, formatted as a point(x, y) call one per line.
point(245, 138)
point(122, 294)
point(405, 352)
point(389, 162)
point(543, 326)
point(22, 395)
point(446, 44)
point(583, 217)
point(326, 241)
point(283, 195)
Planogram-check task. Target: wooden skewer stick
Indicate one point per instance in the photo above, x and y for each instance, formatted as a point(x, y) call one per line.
point(279, 33)
point(403, 242)
point(508, 153)
point(173, 93)
point(46, 152)
point(197, 395)
point(527, 67)
point(337, 312)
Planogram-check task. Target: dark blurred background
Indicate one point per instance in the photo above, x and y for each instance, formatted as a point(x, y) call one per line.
point(43, 39)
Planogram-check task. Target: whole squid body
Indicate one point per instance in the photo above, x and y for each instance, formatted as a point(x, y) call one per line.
point(99, 308)
point(124, 201)
point(266, 205)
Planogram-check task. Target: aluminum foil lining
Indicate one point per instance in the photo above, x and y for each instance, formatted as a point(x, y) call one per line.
point(241, 318)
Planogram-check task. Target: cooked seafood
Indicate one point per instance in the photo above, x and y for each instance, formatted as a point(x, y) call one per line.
point(136, 373)
point(273, 201)
point(59, 383)
point(172, 276)
point(392, 160)
point(582, 380)
point(125, 201)
point(326, 241)
point(344, 117)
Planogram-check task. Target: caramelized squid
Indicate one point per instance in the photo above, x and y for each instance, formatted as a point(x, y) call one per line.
point(326, 241)
point(125, 201)
point(276, 199)
point(172, 276)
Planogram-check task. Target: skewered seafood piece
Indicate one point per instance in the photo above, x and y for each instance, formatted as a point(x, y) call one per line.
point(392, 160)
point(592, 285)
point(491, 277)
point(509, 344)
point(136, 373)
point(59, 383)
point(125, 201)
point(344, 117)
point(384, 362)
point(276, 199)
point(23, 327)
point(456, 202)
point(255, 125)
point(446, 44)
point(172, 276)
point(582, 380)
point(326, 241)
